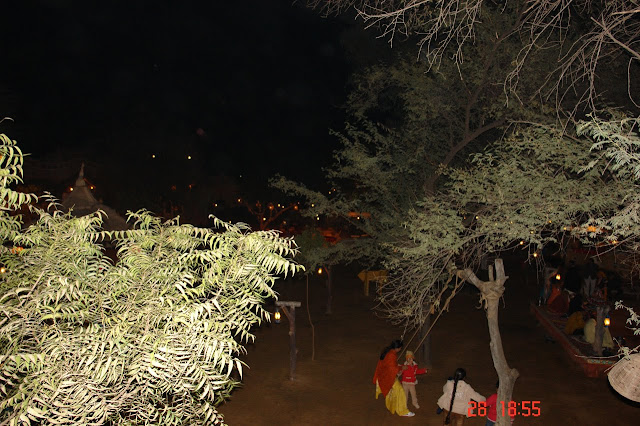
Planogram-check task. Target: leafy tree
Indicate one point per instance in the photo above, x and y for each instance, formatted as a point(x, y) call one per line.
point(267, 215)
point(318, 255)
point(617, 147)
point(407, 121)
point(150, 339)
point(589, 33)
point(528, 190)
point(529, 194)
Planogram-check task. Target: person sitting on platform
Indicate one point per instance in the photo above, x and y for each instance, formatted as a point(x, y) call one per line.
point(572, 281)
point(590, 278)
point(575, 323)
point(559, 299)
point(590, 334)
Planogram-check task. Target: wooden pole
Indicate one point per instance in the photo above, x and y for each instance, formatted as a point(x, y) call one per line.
point(289, 309)
point(329, 290)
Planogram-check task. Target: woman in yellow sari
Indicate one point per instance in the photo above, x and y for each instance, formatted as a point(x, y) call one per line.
point(387, 383)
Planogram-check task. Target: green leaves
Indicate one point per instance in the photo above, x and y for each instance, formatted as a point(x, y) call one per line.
point(526, 191)
point(150, 339)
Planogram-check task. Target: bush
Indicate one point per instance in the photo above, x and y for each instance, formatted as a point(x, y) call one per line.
point(150, 339)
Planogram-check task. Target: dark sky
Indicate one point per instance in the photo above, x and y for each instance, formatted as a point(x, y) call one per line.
point(263, 80)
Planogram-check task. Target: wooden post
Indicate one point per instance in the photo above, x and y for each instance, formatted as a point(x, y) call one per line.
point(329, 290)
point(289, 309)
point(364, 277)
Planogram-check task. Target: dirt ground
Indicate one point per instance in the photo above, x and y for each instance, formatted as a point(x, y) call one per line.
point(336, 388)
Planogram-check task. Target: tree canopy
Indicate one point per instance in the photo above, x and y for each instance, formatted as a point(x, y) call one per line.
point(585, 33)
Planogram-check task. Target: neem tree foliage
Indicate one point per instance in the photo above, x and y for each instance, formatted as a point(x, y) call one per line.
point(151, 339)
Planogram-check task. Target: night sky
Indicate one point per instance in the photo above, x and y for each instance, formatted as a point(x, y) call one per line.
point(248, 88)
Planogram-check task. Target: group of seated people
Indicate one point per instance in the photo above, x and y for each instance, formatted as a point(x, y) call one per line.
point(574, 296)
point(592, 283)
point(576, 324)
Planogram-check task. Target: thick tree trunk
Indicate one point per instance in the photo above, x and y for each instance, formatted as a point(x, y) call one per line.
point(492, 291)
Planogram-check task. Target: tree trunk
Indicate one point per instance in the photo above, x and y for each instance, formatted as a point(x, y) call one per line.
point(329, 290)
point(601, 312)
point(426, 342)
point(492, 291)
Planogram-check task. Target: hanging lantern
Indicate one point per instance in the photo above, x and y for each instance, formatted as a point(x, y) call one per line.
point(558, 277)
point(625, 377)
point(607, 321)
point(319, 271)
point(276, 317)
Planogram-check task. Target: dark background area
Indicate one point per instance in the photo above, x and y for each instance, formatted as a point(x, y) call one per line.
point(246, 89)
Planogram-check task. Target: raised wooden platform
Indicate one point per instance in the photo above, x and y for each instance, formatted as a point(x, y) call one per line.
point(592, 367)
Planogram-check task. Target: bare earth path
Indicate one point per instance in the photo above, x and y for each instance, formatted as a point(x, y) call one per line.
point(336, 388)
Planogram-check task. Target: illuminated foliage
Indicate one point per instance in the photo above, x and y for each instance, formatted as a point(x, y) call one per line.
point(151, 339)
